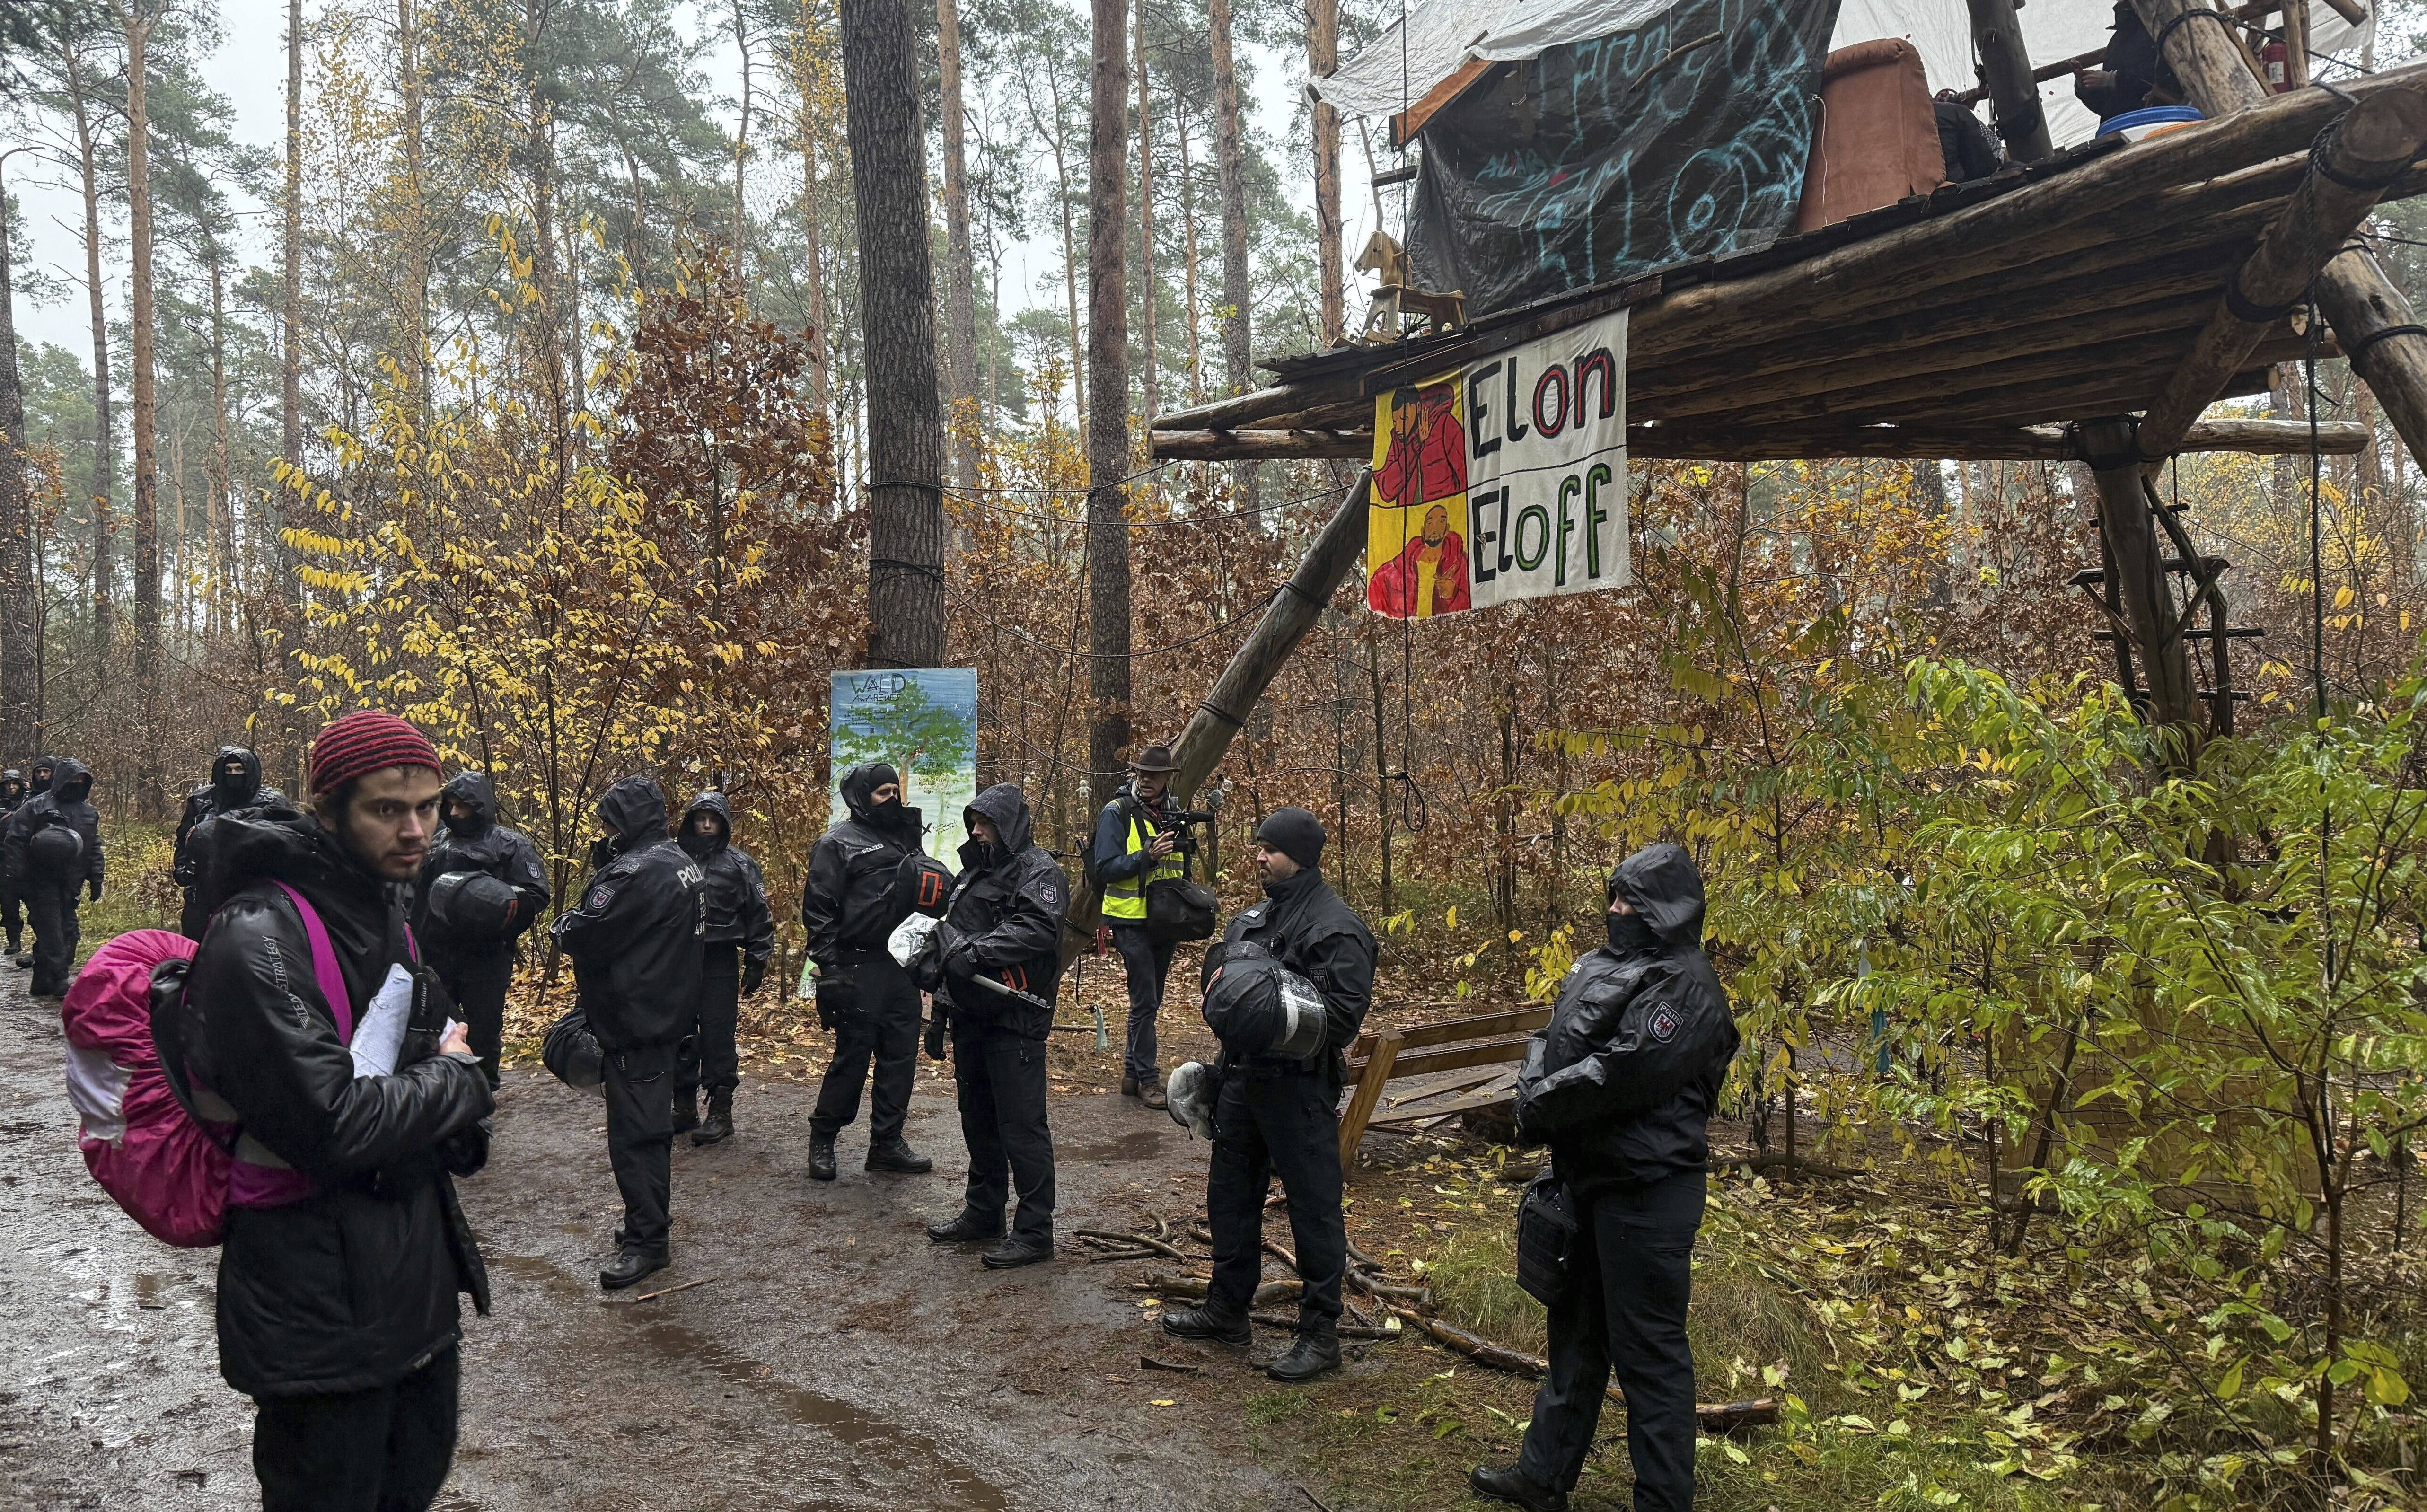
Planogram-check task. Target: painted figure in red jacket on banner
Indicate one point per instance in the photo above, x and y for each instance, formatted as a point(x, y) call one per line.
point(1427, 457)
point(1426, 578)
point(1419, 569)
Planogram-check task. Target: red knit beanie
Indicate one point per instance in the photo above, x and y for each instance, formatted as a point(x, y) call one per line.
point(363, 742)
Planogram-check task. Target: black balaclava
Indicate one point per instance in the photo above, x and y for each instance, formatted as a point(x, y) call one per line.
point(1629, 934)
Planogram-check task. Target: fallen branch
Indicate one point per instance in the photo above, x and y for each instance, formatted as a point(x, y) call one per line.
point(1140, 1240)
point(1712, 1417)
point(1190, 1287)
point(652, 1296)
point(1345, 1330)
point(1176, 1367)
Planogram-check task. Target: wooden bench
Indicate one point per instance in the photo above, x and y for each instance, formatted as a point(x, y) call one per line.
point(1453, 1044)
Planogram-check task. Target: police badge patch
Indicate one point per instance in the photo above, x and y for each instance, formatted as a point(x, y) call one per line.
point(1663, 1024)
point(597, 898)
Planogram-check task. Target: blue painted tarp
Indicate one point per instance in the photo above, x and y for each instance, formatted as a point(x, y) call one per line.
point(1598, 160)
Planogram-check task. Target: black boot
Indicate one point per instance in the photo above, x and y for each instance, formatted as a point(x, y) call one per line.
point(1211, 1321)
point(1510, 1484)
point(1015, 1252)
point(895, 1154)
point(719, 1125)
point(821, 1167)
point(686, 1109)
point(1317, 1350)
point(630, 1266)
point(966, 1228)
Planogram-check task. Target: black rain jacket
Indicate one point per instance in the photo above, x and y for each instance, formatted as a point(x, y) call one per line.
point(635, 937)
point(481, 844)
point(223, 794)
point(13, 791)
point(1965, 142)
point(354, 1287)
point(1007, 909)
point(737, 889)
point(63, 803)
point(1621, 1083)
point(847, 899)
point(1313, 931)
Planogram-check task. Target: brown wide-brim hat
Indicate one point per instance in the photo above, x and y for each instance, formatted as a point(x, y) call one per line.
point(1154, 759)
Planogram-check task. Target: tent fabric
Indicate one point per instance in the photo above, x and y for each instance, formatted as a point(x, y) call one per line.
point(1442, 36)
point(1684, 138)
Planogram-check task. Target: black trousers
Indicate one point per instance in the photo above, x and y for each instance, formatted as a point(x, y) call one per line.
point(1001, 1077)
point(711, 1058)
point(384, 1450)
point(1147, 961)
point(640, 1143)
point(876, 1017)
point(1626, 1312)
point(477, 978)
point(53, 906)
point(1286, 1125)
point(192, 918)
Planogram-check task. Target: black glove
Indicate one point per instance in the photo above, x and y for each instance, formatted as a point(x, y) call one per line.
point(752, 974)
point(96, 890)
point(466, 1150)
point(830, 1005)
point(935, 1035)
point(960, 959)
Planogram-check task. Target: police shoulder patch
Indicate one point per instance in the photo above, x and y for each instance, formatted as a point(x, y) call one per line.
point(597, 898)
point(1664, 1025)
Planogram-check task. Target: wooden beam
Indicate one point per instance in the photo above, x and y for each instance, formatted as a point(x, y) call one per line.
point(1233, 446)
point(1405, 125)
point(2356, 159)
point(1285, 621)
point(2005, 72)
point(2216, 74)
point(2373, 325)
point(2130, 535)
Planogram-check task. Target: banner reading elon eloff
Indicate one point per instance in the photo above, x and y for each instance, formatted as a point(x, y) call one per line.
point(1503, 480)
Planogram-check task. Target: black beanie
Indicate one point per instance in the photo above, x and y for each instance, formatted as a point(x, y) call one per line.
point(1294, 832)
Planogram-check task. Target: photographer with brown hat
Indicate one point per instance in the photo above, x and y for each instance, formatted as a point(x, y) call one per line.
point(1138, 843)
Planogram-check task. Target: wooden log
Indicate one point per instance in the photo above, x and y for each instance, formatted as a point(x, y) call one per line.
point(1478, 1026)
point(1231, 446)
point(2130, 534)
point(1369, 1092)
point(2218, 76)
point(1285, 621)
point(2374, 324)
point(1710, 1417)
point(2006, 72)
point(2357, 159)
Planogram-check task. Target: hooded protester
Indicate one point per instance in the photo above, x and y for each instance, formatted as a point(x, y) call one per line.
point(850, 904)
point(637, 963)
point(482, 888)
point(1277, 1114)
point(345, 1248)
point(1004, 919)
point(52, 847)
point(1621, 1084)
point(41, 783)
point(12, 795)
point(740, 936)
point(236, 782)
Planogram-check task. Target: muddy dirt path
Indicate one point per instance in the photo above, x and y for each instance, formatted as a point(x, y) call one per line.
point(836, 1361)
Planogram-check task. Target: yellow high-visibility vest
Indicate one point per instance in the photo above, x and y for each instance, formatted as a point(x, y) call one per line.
point(1126, 899)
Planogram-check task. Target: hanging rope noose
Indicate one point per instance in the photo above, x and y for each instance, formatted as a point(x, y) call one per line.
point(2317, 528)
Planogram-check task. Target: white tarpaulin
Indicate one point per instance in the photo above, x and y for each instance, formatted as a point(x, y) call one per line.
point(1442, 35)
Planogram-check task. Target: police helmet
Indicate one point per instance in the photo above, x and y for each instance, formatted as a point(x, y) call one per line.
point(572, 1055)
point(922, 886)
point(1256, 1006)
point(54, 848)
point(472, 905)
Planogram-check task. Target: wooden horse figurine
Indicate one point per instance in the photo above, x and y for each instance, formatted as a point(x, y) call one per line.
point(1396, 297)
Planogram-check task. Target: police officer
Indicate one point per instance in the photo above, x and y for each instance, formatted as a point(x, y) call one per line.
point(12, 793)
point(740, 936)
point(236, 782)
point(1279, 1115)
point(469, 929)
point(39, 784)
point(1004, 927)
point(1621, 1084)
point(52, 848)
point(638, 961)
point(850, 904)
point(1136, 846)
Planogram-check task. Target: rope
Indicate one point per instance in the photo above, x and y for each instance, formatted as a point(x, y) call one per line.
point(2354, 351)
point(2317, 532)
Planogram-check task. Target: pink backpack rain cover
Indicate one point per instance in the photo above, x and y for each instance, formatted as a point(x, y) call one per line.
point(168, 1172)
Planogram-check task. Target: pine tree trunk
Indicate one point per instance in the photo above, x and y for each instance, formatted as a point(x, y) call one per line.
point(960, 259)
point(104, 451)
point(1148, 394)
point(1108, 417)
point(290, 335)
point(143, 385)
point(1188, 248)
point(813, 239)
point(415, 296)
point(20, 670)
point(1322, 57)
point(1230, 165)
point(906, 424)
point(742, 141)
point(223, 549)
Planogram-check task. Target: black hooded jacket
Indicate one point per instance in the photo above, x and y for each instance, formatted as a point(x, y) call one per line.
point(353, 1287)
point(223, 794)
point(737, 889)
point(1621, 1083)
point(635, 937)
point(481, 844)
point(1007, 913)
point(63, 804)
point(847, 899)
point(1313, 932)
point(13, 791)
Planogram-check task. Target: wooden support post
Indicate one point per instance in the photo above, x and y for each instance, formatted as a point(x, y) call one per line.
point(1368, 1095)
point(2217, 75)
point(2006, 72)
point(2139, 580)
point(2357, 159)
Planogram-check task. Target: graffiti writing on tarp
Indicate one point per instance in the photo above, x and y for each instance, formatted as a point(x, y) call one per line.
point(1684, 137)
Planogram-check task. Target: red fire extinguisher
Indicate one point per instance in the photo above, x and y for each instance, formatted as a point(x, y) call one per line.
point(2277, 61)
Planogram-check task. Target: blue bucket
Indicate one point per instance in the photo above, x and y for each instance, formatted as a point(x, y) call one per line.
point(2140, 125)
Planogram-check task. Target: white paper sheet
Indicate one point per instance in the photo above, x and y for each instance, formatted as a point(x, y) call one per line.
point(379, 1038)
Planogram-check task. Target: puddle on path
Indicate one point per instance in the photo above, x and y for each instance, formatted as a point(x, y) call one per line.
point(1142, 1145)
point(899, 1466)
